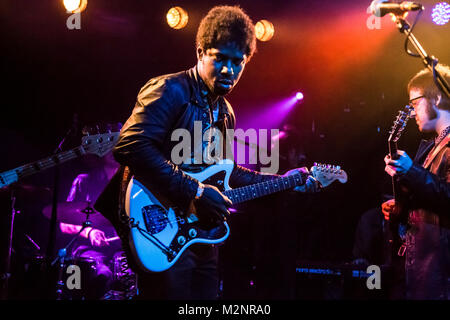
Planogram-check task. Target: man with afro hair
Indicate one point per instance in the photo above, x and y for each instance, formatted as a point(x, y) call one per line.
point(225, 43)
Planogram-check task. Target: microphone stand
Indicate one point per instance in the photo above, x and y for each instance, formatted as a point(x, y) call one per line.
point(7, 274)
point(429, 61)
point(62, 253)
point(53, 219)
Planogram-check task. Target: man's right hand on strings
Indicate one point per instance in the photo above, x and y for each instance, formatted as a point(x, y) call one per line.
point(212, 206)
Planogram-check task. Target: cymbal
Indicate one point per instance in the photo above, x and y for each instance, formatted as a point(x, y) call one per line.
point(74, 213)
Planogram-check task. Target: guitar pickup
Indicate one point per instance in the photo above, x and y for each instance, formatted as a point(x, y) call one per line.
point(155, 218)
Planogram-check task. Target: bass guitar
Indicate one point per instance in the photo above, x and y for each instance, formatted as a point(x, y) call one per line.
point(160, 232)
point(99, 144)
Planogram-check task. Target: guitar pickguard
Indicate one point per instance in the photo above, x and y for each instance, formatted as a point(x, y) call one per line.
point(188, 232)
point(161, 232)
point(217, 180)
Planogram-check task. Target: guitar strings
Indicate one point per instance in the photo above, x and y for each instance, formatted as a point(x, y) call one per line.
point(249, 192)
point(46, 163)
point(237, 193)
point(161, 222)
point(262, 188)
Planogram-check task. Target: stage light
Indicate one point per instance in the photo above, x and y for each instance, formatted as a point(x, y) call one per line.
point(177, 18)
point(264, 30)
point(441, 13)
point(75, 6)
point(299, 96)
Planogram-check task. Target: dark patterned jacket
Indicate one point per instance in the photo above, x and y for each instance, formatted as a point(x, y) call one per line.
point(427, 263)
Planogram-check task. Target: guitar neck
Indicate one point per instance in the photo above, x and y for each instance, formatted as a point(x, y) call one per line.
point(393, 150)
point(37, 166)
point(98, 144)
point(261, 189)
point(393, 154)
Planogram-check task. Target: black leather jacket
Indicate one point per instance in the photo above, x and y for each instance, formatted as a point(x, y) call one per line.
point(164, 104)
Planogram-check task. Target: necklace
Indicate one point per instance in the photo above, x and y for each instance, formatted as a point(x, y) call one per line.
point(441, 136)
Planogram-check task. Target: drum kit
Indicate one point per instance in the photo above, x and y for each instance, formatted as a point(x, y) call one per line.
point(99, 277)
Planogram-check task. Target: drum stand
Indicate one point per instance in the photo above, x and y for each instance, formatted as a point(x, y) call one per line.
point(7, 274)
point(62, 253)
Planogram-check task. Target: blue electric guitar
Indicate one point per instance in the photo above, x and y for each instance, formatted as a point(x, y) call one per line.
point(160, 232)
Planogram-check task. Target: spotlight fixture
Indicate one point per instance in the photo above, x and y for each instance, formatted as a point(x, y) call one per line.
point(177, 18)
point(441, 13)
point(75, 6)
point(299, 96)
point(264, 30)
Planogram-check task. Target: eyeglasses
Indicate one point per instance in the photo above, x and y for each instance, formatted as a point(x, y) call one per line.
point(413, 102)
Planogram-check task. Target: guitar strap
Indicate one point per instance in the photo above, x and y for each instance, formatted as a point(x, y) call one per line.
point(436, 150)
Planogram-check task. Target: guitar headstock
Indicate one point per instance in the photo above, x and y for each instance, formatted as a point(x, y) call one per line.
point(99, 144)
point(400, 123)
point(326, 174)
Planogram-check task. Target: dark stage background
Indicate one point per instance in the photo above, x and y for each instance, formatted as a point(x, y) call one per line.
point(353, 78)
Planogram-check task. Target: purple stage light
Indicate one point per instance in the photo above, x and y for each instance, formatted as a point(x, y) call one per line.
point(441, 13)
point(279, 136)
point(269, 116)
point(299, 96)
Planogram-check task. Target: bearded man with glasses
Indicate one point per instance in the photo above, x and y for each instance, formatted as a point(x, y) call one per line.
point(425, 185)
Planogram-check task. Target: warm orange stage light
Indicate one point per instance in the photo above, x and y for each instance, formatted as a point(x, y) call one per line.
point(75, 6)
point(177, 18)
point(264, 30)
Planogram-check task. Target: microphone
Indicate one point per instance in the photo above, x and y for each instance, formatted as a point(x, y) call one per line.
point(380, 8)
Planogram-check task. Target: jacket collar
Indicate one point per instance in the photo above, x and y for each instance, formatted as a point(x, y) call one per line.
point(200, 91)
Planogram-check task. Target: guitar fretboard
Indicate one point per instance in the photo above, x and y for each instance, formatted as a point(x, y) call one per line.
point(261, 189)
point(98, 144)
point(46, 163)
point(49, 162)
